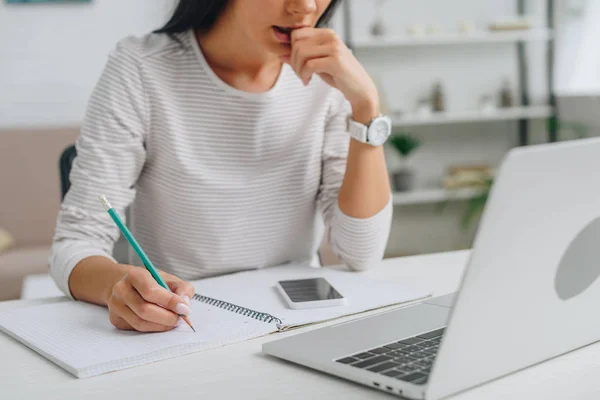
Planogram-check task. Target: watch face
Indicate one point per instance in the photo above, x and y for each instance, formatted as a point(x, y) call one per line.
point(379, 131)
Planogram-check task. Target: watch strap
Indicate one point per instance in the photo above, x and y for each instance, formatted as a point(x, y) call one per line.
point(357, 130)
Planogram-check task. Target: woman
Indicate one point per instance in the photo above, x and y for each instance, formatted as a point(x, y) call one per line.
point(226, 131)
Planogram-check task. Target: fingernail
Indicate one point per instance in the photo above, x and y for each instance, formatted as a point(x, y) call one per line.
point(183, 309)
point(186, 299)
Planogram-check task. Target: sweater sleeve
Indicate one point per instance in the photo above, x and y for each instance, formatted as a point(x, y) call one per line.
point(359, 243)
point(110, 156)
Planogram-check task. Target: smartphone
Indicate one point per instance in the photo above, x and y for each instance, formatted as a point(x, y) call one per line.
point(310, 293)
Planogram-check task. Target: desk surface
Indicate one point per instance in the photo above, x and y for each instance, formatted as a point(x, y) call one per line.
point(241, 371)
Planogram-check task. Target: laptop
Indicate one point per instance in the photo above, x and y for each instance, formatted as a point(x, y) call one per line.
point(529, 292)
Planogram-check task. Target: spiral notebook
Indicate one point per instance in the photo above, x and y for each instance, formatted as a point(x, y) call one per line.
point(225, 310)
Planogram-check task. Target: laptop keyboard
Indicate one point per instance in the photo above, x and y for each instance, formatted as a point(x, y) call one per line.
point(408, 360)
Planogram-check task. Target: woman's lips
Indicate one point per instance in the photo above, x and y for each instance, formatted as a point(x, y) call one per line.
point(283, 34)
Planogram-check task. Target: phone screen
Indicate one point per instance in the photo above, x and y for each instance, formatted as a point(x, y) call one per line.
point(303, 290)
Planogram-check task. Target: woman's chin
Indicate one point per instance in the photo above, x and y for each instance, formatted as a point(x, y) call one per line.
point(280, 49)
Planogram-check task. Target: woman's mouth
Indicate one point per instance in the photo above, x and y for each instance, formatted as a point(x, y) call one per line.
point(283, 34)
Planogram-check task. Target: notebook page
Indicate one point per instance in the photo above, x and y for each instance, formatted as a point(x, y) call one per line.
point(80, 338)
point(256, 290)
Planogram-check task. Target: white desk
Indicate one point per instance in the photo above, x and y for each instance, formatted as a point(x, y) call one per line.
point(241, 371)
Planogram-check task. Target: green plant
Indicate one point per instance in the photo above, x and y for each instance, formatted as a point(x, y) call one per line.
point(476, 205)
point(404, 144)
point(577, 130)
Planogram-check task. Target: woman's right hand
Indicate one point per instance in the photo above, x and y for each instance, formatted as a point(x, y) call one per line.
point(138, 302)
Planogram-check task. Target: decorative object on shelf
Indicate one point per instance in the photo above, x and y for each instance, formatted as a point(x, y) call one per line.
point(378, 27)
point(415, 29)
point(438, 103)
point(487, 105)
point(405, 145)
point(506, 95)
point(433, 29)
point(510, 24)
point(466, 27)
point(424, 109)
point(468, 176)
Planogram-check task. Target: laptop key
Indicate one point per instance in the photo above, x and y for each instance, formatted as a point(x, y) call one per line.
point(380, 350)
point(348, 360)
point(394, 346)
point(393, 373)
point(364, 356)
point(396, 354)
point(413, 340)
point(402, 351)
point(411, 349)
point(404, 359)
point(414, 377)
point(421, 346)
point(372, 361)
point(410, 367)
point(434, 334)
point(422, 364)
point(383, 367)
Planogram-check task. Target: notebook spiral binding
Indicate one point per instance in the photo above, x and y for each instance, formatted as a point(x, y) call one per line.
point(263, 317)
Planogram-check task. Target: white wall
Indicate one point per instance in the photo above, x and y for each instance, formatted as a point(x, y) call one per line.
point(578, 53)
point(51, 55)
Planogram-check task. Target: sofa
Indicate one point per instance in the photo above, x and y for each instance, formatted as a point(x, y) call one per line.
point(30, 198)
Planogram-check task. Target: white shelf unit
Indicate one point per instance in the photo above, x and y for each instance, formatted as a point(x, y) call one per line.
point(431, 196)
point(531, 35)
point(500, 114)
point(523, 113)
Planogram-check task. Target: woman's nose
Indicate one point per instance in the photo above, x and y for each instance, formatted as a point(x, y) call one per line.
point(302, 6)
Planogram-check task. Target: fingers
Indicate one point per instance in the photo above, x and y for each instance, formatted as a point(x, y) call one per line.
point(119, 322)
point(315, 66)
point(305, 52)
point(322, 34)
point(152, 292)
point(182, 288)
point(148, 311)
point(122, 317)
point(309, 44)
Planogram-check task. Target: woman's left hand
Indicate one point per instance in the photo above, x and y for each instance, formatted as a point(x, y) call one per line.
point(322, 52)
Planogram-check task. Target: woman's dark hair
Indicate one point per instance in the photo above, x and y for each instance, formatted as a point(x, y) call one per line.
point(202, 14)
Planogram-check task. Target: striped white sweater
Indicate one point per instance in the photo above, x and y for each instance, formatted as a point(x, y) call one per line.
point(218, 179)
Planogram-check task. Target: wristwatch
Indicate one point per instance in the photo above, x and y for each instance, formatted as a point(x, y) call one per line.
point(375, 133)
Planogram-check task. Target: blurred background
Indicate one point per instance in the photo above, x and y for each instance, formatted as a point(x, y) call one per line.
point(465, 81)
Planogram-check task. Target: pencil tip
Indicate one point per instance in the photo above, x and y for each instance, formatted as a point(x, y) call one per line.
point(193, 328)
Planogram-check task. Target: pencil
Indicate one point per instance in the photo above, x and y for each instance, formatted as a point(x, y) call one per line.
point(138, 249)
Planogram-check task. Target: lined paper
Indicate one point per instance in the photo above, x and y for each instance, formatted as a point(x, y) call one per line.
point(80, 338)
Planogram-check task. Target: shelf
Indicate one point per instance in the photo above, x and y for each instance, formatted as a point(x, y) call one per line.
point(500, 114)
point(429, 196)
point(455, 39)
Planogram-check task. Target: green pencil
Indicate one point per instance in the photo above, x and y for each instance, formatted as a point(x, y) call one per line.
point(138, 249)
